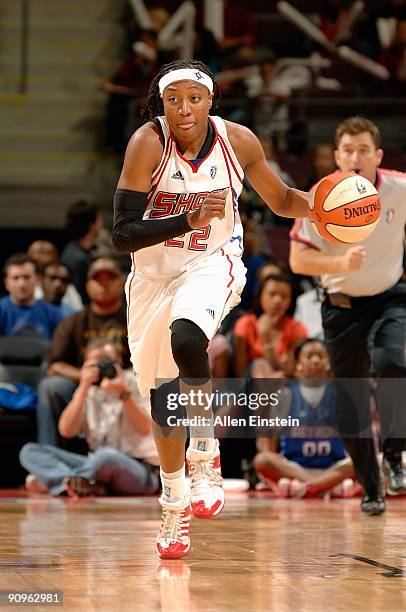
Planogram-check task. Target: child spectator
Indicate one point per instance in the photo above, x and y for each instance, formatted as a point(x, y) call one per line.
point(312, 459)
point(83, 224)
point(264, 340)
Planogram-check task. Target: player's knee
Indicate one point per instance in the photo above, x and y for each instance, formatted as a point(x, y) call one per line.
point(189, 349)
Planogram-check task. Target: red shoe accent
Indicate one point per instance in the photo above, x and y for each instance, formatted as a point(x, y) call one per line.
point(175, 550)
point(173, 540)
point(200, 511)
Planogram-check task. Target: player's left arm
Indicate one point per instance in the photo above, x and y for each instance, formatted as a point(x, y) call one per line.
point(283, 200)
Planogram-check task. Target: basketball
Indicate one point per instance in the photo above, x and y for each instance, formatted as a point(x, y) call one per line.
point(345, 208)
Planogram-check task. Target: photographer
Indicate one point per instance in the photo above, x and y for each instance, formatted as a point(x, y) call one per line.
point(107, 408)
point(104, 317)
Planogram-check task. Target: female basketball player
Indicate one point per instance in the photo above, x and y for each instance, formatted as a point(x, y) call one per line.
point(176, 212)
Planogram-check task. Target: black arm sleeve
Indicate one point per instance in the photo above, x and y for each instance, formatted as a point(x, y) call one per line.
point(131, 232)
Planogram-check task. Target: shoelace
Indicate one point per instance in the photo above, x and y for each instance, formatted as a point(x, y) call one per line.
point(202, 476)
point(171, 523)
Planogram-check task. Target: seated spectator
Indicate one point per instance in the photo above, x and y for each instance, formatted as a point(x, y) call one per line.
point(117, 425)
point(104, 317)
point(55, 281)
point(206, 47)
point(269, 109)
point(83, 224)
point(130, 82)
point(256, 276)
point(239, 28)
point(20, 312)
point(264, 340)
point(159, 18)
point(44, 253)
point(272, 159)
point(310, 461)
point(268, 268)
point(323, 163)
point(394, 58)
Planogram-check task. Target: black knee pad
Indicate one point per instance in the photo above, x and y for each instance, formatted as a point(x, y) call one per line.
point(164, 404)
point(189, 348)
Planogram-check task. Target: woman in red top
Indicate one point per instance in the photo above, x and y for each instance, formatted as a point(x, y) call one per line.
point(265, 340)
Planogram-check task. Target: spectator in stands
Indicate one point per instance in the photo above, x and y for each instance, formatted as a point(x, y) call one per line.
point(272, 160)
point(233, 87)
point(269, 268)
point(20, 312)
point(159, 17)
point(83, 224)
point(55, 281)
point(104, 317)
point(129, 83)
point(255, 277)
point(206, 48)
point(265, 339)
point(44, 253)
point(269, 94)
point(394, 57)
point(239, 27)
point(323, 163)
point(117, 425)
point(312, 458)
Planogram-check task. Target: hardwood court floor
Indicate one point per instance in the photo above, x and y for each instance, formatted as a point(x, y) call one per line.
point(259, 554)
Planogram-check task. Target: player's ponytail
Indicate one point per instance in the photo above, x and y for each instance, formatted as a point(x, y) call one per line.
point(154, 106)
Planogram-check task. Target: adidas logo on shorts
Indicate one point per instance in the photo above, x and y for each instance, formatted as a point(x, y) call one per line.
point(177, 175)
point(211, 312)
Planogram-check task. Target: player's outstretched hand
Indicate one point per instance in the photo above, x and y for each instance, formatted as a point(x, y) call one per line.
point(213, 206)
point(354, 259)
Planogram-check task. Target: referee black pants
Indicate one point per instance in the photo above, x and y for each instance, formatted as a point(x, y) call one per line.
point(369, 339)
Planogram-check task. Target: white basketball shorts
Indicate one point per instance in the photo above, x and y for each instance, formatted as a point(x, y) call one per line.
point(204, 294)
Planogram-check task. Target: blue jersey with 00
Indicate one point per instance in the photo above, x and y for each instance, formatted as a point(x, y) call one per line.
point(313, 444)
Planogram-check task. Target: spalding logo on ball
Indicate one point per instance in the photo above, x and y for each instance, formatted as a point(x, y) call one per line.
point(345, 208)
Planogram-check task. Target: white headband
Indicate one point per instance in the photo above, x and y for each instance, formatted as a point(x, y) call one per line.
point(185, 74)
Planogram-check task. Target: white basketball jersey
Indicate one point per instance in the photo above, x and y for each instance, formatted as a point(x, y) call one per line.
point(178, 186)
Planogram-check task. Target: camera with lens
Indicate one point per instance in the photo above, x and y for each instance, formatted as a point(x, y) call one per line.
point(107, 369)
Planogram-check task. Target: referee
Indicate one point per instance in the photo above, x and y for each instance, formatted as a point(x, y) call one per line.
point(364, 314)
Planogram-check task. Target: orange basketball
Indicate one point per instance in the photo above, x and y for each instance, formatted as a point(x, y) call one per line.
point(345, 208)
